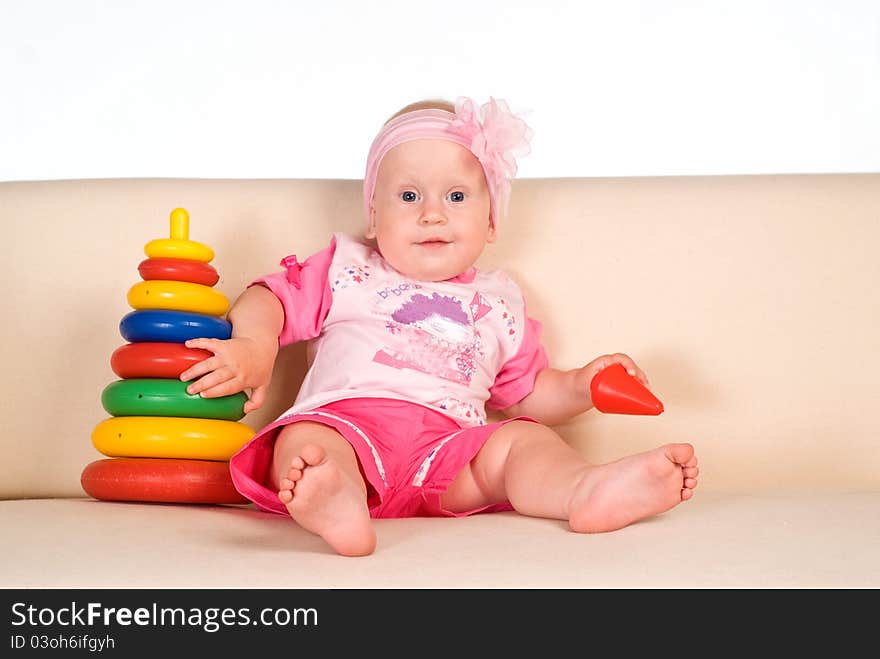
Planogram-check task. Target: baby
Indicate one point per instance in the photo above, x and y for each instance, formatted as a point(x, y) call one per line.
point(409, 345)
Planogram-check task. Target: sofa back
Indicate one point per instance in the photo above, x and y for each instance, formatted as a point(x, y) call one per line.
point(751, 302)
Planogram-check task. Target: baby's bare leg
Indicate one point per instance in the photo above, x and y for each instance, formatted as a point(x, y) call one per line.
point(316, 473)
point(542, 476)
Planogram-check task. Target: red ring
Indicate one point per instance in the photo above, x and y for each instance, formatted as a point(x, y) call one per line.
point(179, 270)
point(162, 480)
point(149, 359)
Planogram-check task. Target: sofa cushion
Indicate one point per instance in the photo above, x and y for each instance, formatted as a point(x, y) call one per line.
point(783, 539)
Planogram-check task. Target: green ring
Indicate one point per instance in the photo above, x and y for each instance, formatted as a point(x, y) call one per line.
point(168, 397)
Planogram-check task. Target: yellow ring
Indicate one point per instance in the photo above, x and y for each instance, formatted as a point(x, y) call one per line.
point(177, 296)
point(171, 248)
point(170, 437)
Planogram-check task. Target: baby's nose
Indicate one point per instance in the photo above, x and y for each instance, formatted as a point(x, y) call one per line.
point(432, 214)
point(432, 218)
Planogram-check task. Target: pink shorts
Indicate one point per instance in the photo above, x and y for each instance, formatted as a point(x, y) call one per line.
point(408, 455)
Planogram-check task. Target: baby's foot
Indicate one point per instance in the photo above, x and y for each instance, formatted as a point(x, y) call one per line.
point(323, 499)
point(611, 496)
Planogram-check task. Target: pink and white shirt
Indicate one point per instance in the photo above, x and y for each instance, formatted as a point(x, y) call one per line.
point(456, 346)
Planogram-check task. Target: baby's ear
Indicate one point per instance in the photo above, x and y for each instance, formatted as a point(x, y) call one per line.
point(490, 237)
point(371, 230)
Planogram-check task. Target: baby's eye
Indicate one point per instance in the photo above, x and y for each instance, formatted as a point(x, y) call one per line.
point(409, 196)
point(456, 196)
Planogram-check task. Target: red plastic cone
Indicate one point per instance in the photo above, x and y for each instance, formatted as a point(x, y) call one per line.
point(617, 392)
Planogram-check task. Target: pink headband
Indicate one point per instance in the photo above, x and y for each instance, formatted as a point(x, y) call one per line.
point(492, 133)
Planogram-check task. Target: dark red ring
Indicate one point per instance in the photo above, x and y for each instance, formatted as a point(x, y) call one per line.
point(165, 480)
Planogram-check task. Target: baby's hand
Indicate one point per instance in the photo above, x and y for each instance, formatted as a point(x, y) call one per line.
point(603, 362)
point(239, 363)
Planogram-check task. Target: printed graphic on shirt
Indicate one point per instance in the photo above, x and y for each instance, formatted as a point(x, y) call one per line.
point(479, 307)
point(349, 275)
point(509, 319)
point(398, 290)
point(433, 334)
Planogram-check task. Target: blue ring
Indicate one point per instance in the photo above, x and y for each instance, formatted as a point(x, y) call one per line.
point(172, 326)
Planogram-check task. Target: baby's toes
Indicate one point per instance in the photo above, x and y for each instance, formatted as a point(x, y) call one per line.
point(690, 483)
point(285, 496)
point(690, 472)
point(294, 474)
point(298, 463)
point(286, 484)
point(313, 455)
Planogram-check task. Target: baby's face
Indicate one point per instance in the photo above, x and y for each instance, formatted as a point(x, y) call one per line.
point(430, 214)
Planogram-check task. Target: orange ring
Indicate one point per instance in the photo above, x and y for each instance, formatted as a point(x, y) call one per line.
point(154, 359)
point(195, 272)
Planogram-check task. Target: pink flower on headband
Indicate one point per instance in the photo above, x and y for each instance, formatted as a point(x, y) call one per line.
point(496, 136)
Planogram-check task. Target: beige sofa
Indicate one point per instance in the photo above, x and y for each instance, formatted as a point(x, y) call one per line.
point(751, 302)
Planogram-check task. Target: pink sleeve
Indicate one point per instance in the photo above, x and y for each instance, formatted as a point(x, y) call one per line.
point(516, 379)
point(304, 292)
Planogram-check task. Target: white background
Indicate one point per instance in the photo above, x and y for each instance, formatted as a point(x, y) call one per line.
point(273, 89)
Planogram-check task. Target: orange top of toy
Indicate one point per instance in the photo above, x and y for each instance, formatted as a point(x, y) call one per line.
point(615, 391)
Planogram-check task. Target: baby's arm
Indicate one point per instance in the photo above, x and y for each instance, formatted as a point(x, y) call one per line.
point(246, 360)
point(560, 395)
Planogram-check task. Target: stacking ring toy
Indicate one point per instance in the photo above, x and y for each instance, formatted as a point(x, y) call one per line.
point(166, 397)
point(170, 437)
point(155, 360)
point(195, 272)
point(172, 326)
point(178, 246)
point(178, 296)
point(160, 480)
